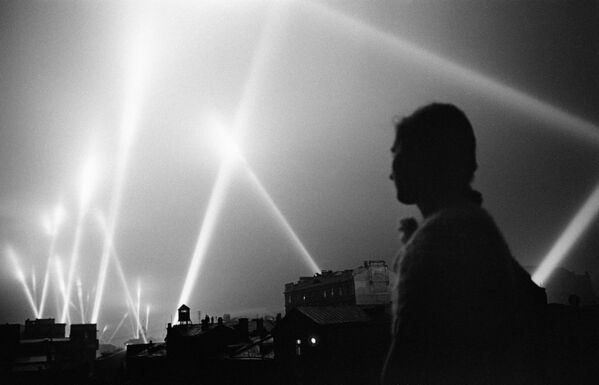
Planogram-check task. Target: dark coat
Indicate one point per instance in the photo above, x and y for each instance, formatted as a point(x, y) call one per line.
point(464, 311)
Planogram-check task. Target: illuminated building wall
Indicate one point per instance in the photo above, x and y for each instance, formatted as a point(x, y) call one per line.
point(364, 285)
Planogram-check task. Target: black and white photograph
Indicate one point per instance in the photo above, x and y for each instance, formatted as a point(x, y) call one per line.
point(299, 192)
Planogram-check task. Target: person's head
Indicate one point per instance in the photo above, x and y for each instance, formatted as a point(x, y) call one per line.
point(434, 153)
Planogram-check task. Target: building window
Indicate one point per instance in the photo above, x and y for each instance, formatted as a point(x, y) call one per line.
point(304, 298)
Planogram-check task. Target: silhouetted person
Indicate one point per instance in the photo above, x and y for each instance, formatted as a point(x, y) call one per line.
point(464, 311)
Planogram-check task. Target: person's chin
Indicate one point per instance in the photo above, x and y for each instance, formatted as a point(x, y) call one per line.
point(405, 198)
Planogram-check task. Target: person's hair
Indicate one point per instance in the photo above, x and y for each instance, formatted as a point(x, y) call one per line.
point(444, 139)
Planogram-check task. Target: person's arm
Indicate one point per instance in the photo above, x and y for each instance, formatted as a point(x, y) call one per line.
point(405, 355)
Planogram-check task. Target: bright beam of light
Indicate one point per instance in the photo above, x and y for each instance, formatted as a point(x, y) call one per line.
point(129, 298)
point(72, 265)
point(133, 326)
point(118, 327)
point(57, 220)
point(117, 262)
point(103, 331)
point(87, 184)
point(207, 229)
point(80, 296)
point(576, 228)
point(137, 307)
point(88, 181)
point(47, 224)
point(14, 259)
point(225, 141)
point(555, 116)
point(231, 150)
point(215, 203)
point(34, 283)
point(147, 317)
point(283, 221)
point(87, 301)
point(58, 296)
point(138, 68)
point(71, 271)
point(62, 284)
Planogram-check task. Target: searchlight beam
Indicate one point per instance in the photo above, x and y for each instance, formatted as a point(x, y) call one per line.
point(137, 71)
point(556, 117)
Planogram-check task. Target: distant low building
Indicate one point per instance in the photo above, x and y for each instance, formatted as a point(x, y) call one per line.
point(39, 350)
point(364, 286)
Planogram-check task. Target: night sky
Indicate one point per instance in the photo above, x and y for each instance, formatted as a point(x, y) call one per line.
point(319, 89)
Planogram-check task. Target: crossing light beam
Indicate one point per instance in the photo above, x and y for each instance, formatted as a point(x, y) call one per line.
point(88, 181)
point(53, 227)
point(215, 202)
point(14, 259)
point(138, 68)
point(118, 327)
point(121, 273)
point(232, 152)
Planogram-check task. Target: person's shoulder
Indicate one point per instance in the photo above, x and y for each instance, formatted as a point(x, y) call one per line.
point(454, 232)
point(459, 215)
point(466, 220)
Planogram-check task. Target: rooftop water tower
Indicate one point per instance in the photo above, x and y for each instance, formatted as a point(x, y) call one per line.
point(184, 316)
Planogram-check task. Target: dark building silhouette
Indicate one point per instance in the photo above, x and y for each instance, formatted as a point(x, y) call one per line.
point(340, 339)
point(571, 344)
point(564, 283)
point(332, 344)
point(337, 327)
point(43, 328)
point(40, 352)
point(205, 340)
point(365, 285)
point(214, 351)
